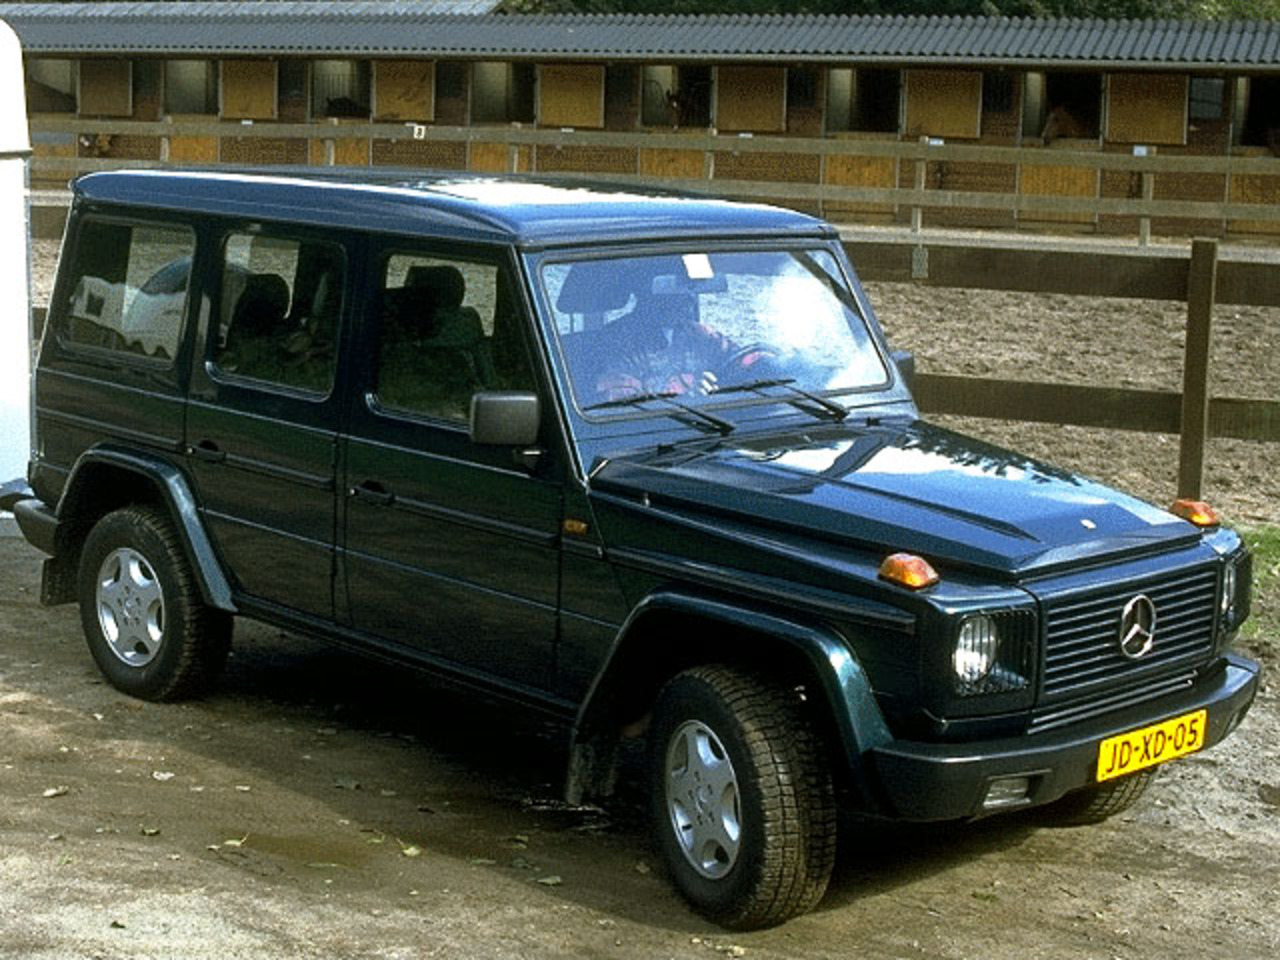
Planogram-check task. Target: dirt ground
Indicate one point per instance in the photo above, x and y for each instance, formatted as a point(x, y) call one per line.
point(319, 805)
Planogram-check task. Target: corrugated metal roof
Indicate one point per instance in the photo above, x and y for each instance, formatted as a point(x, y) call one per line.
point(468, 29)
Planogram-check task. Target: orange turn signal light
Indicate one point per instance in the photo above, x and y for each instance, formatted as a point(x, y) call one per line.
point(908, 570)
point(1195, 511)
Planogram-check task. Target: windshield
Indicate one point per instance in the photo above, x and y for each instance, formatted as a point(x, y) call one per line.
point(696, 325)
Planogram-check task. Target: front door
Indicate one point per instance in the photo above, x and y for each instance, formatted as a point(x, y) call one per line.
point(449, 548)
point(262, 421)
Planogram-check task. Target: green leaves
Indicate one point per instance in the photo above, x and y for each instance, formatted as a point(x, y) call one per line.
point(1101, 9)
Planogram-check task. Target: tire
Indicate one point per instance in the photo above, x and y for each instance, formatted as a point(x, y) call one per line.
point(144, 619)
point(742, 801)
point(1100, 802)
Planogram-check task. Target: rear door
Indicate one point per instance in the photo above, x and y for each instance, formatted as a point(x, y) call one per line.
point(262, 419)
point(450, 548)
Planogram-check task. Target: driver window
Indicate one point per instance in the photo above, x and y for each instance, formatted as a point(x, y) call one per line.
point(449, 328)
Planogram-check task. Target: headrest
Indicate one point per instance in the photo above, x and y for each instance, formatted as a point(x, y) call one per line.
point(444, 284)
point(263, 302)
point(593, 287)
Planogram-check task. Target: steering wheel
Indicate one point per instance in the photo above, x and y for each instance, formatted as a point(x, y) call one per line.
point(754, 357)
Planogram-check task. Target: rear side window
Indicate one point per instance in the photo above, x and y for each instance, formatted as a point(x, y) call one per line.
point(129, 288)
point(280, 303)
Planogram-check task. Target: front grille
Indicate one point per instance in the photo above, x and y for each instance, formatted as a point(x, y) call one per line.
point(1072, 711)
point(1084, 671)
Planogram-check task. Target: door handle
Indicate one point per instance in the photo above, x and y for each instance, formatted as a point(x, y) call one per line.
point(373, 493)
point(208, 451)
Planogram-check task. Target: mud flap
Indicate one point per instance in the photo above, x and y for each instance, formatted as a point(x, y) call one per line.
point(57, 581)
point(593, 769)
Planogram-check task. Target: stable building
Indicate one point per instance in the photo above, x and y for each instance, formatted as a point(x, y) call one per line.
point(457, 84)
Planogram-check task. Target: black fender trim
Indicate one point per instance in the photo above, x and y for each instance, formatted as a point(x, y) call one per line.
point(38, 524)
point(174, 491)
point(844, 685)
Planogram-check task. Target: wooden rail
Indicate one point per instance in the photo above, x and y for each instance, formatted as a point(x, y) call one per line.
point(1200, 280)
point(821, 193)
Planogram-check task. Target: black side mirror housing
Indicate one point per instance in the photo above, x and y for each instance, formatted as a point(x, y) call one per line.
point(505, 418)
point(905, 361)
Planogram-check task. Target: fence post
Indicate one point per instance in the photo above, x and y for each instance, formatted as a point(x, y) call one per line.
point(1148, 194)
point(1202, 279)
point(922, 170)
point(822, 184)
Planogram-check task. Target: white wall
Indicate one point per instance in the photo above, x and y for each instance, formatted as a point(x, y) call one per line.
point(15, 275)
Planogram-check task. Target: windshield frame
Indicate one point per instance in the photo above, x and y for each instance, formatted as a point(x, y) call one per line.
point(848, 292)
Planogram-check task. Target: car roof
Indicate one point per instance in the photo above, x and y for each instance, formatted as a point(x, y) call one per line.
point(467, 207)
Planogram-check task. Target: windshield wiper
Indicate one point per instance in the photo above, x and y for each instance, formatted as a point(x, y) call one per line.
point(827, 409)
point(688, 414)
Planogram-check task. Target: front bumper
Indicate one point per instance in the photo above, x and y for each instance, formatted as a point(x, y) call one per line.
point(946, 781)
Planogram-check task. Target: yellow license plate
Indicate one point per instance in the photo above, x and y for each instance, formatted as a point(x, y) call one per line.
point(1161, 742)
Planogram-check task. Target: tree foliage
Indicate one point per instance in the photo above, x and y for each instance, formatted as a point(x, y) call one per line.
point(1102, 9)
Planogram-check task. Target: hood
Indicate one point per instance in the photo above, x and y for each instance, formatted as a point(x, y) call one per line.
point(918, 488)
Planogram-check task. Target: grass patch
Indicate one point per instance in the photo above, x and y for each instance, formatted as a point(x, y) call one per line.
point(1260, 635)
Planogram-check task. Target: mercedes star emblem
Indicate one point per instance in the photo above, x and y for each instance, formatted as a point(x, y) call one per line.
point(1137, 627)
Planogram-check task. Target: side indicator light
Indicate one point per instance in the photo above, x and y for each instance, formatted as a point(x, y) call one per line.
point(575, 528)
point(1195, 511)
point(908, 570)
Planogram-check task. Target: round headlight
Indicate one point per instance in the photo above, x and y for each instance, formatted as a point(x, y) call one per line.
point(1228, 589)
point(975, 653)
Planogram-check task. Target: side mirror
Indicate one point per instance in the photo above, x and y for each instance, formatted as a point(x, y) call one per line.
point(505, 418)
point(905, 360)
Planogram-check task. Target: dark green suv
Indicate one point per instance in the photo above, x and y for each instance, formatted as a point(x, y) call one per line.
point(644, 461)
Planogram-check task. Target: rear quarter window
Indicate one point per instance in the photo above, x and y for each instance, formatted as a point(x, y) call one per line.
point(128, 288)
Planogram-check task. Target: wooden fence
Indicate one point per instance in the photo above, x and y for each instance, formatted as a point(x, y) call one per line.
point(892, 178)
point(1200, 280)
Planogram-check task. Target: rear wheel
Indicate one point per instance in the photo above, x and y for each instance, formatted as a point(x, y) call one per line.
point(743, 805)
point(144, 619)
point(1101, 801)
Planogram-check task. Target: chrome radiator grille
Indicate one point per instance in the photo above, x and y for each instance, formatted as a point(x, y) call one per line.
point(1082, 656)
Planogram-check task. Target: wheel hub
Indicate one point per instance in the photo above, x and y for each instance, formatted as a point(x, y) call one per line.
point(130, 604)
point(702, 799)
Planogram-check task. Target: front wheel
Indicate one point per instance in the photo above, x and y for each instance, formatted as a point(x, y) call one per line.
point(144, 619)
point(1099, 802)
point(743, 805)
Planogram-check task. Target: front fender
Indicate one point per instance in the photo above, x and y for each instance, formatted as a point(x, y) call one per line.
point(637, 665)
point(81, 500)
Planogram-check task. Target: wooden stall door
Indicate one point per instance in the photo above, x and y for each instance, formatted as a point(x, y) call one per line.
point(1051, 180)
